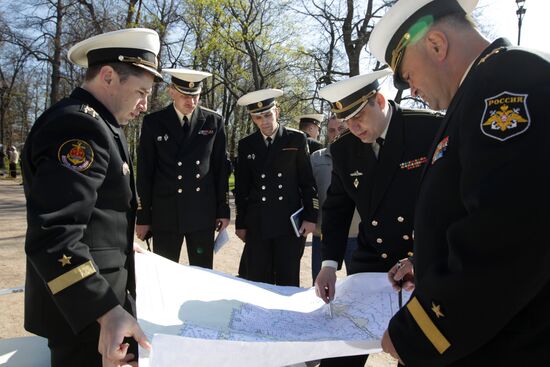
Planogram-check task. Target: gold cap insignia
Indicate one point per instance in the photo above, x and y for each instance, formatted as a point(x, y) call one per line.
point(191, 84)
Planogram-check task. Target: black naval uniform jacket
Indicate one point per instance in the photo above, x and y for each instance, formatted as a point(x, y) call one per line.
point(482, 248)
point(383, 191)
point(182, 182)
point(81, 204)
point(313, 145)
point(270, 186)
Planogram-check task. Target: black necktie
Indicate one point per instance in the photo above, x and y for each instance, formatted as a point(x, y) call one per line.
point(269, 141)
point(185, 127)
point(380, 142)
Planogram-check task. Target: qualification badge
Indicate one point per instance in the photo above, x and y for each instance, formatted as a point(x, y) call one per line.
point(356, 174)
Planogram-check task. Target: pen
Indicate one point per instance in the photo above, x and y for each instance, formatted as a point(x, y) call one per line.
point(329, 304)
point(400, 283)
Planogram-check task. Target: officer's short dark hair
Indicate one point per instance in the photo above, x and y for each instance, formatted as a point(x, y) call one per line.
point(123, 70)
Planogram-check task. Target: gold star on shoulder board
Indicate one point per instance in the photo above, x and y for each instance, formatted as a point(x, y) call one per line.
point(437, 310)
point(65, 260)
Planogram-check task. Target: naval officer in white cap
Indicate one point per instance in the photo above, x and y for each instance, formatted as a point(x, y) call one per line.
point(310, 124)
point(273, 180)
point(183, 166)
point(482, 289)
point(81, 204)
point(376, 168)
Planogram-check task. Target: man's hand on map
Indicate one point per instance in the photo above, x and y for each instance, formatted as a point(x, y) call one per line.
point(401, 275)
point(325, 284)
point(114, 326)
point(241, 233)
point(387, 346)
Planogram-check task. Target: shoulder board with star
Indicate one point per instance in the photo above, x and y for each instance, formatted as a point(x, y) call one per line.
point(423, 112)
point(89, 111)
point(211, 111)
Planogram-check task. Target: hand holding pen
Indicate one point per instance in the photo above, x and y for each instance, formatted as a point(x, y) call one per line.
point(401, 275)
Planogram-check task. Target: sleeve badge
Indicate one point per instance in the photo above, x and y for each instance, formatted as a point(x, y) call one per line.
point(505, 116)
point(76, 154)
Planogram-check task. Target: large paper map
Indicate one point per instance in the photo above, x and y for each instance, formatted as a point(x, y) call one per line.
point(198, 317)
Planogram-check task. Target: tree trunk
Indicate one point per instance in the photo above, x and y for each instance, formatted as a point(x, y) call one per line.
point(56, 59)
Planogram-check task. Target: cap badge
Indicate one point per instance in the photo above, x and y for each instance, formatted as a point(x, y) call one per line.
point(165, 137)
point(159, 138)
point(356, 174)
point(505, 116)
point(440, 149)
point(76, 154)
point(260, 104)
point(191, 84)
point(338, 105)
point(356, 182)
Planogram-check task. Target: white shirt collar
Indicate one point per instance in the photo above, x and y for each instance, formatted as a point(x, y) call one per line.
point(272, 136)
point(390, 113)
point(181, 115)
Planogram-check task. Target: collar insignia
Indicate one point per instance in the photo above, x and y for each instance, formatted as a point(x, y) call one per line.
point(89, 111)
point(125, 169)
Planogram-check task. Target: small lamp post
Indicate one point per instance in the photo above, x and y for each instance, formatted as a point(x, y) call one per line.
point(520, 13)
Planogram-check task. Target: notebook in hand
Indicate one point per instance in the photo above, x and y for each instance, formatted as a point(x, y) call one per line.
point(296, 220)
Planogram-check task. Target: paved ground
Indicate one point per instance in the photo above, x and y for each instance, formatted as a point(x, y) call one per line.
point(12, 263)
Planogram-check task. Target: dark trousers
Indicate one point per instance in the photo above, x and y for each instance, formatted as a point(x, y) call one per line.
point(274, 260)
point(13, 170)
point(81, 353)
point(200, 246)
